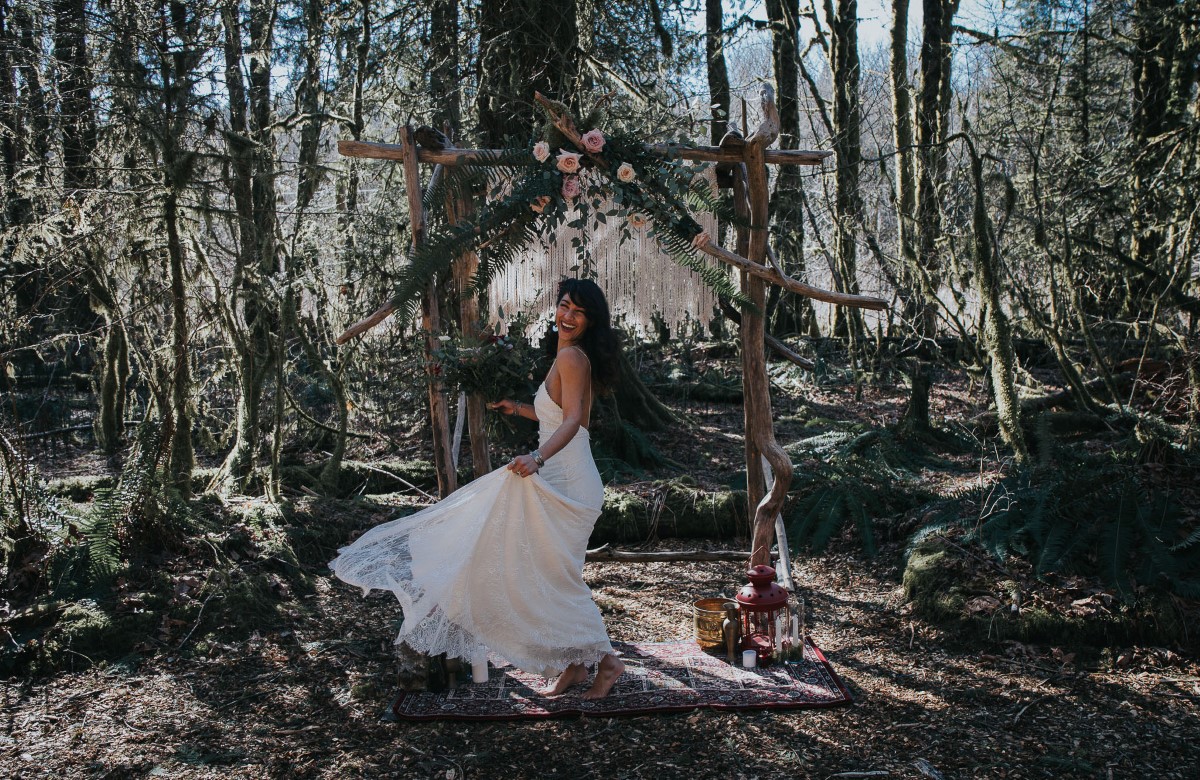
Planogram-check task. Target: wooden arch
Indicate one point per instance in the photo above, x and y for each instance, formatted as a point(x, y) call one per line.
point(742, 166)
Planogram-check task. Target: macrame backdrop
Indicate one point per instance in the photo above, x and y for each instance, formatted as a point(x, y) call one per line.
point(638, 278)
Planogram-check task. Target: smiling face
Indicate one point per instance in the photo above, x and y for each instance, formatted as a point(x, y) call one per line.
point(571, 320)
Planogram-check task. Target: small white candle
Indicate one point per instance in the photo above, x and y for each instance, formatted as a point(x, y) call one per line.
point(479, 669)
point(749, 659)
point(797, 640)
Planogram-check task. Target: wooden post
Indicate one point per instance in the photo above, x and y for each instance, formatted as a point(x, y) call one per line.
point(755, 478)
point(756, 384)
point(463, 268)
point(439, 415)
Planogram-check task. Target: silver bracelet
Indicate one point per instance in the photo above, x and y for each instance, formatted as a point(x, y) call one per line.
point(537, 458)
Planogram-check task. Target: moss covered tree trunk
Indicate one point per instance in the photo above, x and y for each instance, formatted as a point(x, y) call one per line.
point(255, 321)
point(997, 335)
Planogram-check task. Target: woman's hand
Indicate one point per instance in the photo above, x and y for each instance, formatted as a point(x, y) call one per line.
point(523, 465)
point(505, 407)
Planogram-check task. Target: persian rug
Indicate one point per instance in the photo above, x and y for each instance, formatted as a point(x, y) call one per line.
point(659, 677)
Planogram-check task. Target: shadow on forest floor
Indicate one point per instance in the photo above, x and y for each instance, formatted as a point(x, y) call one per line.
point(301, 696)
point(290, 678)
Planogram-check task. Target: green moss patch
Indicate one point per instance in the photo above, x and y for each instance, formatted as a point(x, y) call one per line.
point(675, 508)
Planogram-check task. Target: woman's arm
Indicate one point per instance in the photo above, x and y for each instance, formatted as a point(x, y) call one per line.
point(515, 407)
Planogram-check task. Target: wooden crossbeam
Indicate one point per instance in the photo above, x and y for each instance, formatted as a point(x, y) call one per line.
point(451, 157)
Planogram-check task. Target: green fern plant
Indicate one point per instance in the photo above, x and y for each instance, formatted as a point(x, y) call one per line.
point(853, 479)
point(134, 508)
point(1080, 513)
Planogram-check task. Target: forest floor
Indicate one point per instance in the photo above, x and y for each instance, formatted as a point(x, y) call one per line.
point(297, 688)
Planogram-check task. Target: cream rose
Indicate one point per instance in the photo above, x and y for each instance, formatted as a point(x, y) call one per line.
point(541, 151)
point(637, 221)
point(568, 162)
point(593, 141)
point(626, 173)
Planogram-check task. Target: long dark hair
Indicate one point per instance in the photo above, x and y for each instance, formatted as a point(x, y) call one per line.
point(599, 341)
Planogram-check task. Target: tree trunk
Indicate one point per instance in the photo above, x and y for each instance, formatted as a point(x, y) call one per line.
point(183, 458)
point(1164, 75)
point(9, 117)
point(997, 335)
point(79, 144)
point(260, 323)
point(177, 64)
point(932, 121)
point(463, 269)
point(309, 99)
point(912, 294)
point(444, 85)
point(525, 46)
point(718, 73)
point(790, 313)
point(760, 425)
point(844, 67)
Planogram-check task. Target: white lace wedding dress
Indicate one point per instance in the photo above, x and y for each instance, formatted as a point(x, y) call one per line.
point(498, 564)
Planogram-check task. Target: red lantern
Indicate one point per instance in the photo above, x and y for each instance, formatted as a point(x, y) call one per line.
point(761, 604)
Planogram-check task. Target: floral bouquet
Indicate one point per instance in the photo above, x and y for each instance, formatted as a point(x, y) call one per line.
point(493, 366)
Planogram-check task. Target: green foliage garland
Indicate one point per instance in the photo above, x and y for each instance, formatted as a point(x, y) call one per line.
point(530, 196)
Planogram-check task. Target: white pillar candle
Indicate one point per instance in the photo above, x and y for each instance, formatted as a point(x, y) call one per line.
point(749, 659)
point(479, 669)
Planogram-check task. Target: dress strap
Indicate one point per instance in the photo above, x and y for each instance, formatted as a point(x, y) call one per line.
point(582, 351)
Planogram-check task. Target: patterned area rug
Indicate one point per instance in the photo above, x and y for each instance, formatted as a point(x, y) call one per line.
point(659, 677)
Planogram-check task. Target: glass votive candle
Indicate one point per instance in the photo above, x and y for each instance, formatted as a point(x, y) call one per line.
point(749, 659)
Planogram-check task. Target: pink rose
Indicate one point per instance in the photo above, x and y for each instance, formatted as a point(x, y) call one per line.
point(625, 173)
point(541, 151)
point(593, 141)
point(568, 162)
point(571, 187)
point(637, 221)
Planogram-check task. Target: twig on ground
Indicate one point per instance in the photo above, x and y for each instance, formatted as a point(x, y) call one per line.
point(1038, 700)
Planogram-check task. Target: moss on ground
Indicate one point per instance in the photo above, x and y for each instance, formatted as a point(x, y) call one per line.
point(673, 508)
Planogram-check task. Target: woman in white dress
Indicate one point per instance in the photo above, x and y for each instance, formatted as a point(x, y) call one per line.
point(498, 565)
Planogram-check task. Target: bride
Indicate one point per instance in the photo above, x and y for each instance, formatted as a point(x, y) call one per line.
point(498, 565)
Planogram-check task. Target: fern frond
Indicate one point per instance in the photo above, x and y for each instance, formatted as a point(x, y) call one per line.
point(866, 529)
point(99, 529)
point(1192, 539)
point(829, 520)
point(1055, 548)
point(1116, 540)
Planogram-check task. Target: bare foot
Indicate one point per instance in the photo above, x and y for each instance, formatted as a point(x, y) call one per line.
point(607, 672)
point(572, 675)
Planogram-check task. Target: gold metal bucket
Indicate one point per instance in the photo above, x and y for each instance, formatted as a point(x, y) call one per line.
point(708, 615)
